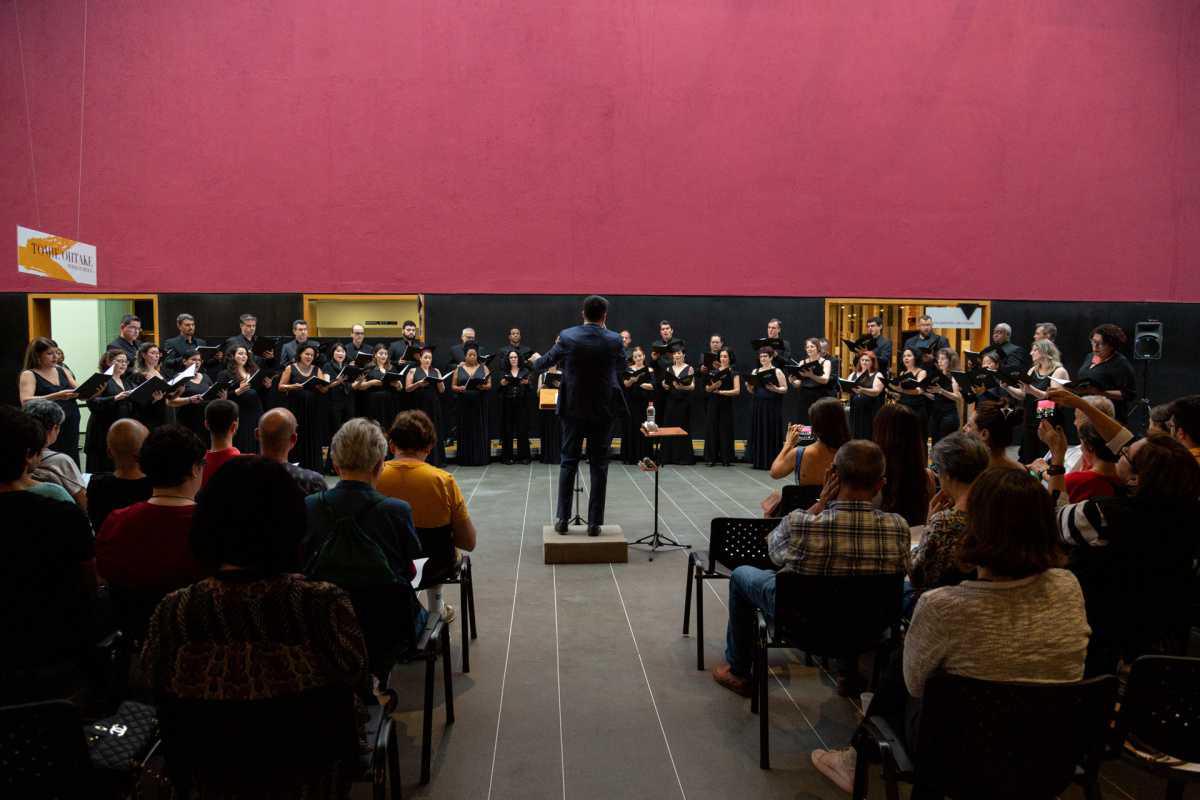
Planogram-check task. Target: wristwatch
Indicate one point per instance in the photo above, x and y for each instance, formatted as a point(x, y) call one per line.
point(1056, 469)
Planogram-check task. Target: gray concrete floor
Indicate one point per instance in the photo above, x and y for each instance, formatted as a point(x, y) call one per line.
point(583, 686)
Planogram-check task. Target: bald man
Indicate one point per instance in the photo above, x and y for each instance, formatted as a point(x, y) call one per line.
point(126, 484)
point(276, 434)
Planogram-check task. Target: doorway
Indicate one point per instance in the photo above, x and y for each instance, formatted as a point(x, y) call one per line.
point(967, 323)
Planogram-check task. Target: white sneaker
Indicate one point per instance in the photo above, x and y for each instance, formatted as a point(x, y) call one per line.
point(837, 766)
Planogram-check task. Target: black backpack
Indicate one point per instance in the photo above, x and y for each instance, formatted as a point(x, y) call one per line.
point(349, 557)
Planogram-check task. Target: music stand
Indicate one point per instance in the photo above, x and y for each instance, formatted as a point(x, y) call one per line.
point(655, 539)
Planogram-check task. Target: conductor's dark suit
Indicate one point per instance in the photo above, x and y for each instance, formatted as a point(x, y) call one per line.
point(590, 397)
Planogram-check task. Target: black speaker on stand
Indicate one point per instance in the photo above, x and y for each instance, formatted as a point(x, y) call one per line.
point(1147, 347)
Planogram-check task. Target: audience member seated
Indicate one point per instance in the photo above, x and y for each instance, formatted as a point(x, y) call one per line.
point(1021, 619)
point(1097, 473)
point(276, 435)
point(359, 450)
point(1133, 554)
point(842, 534)
point(221, 420)
point(256, 629)
point(1160, 419)
point(900, 433)
point(126, 484)
point(432, 493)
point(47, 583)
point(810, 463)
point(145, 546)
point(993, 422)
point(959, 459)
point(1185, 423)
point(52, 466)
point(26, 482)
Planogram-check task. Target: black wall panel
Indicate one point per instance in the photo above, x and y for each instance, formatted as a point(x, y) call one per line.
point(217, 314)
point(14, 332)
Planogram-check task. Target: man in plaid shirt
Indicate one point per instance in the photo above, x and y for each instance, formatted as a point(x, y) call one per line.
point(842, 534)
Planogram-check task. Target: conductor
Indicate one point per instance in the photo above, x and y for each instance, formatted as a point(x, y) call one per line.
point(590, 397)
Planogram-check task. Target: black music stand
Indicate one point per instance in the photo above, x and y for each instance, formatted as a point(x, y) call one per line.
point(655, 539)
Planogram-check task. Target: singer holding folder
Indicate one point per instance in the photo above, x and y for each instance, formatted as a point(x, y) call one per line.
point(591, 357)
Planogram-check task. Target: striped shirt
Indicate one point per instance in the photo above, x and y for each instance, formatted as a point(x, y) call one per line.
point(850, 537)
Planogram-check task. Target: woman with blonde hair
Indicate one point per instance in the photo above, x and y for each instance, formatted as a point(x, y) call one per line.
point(1047, 371)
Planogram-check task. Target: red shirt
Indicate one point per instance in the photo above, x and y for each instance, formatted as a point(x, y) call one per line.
point(145, 546)
point(1086, 485)
point(215, 459)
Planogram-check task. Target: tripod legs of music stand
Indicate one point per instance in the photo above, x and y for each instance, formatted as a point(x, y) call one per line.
point(655, 539)
point(577, 519)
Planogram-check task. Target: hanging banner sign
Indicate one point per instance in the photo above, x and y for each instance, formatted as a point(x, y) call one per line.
point(50, 256)
point(964, 315)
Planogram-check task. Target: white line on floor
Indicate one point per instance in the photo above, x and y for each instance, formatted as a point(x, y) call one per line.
point(511, 619)
point(749, 473)
point(562, 753)
point(479, 483)
point(638, 650)
point(722, 491)
point(649, 502)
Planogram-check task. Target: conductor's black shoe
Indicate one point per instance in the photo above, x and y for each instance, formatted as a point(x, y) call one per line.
point(560, 526)
point(593, 530)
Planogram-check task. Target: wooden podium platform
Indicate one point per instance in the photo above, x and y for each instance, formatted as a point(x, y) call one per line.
point(576, 547)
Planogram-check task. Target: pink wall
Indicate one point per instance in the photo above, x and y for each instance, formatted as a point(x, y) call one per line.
point(1016, 150)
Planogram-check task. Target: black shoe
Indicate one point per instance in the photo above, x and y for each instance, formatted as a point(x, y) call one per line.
point(524, 460)
point(560, 526)
point(508, 462)
point(593, 530)
point(727, 464)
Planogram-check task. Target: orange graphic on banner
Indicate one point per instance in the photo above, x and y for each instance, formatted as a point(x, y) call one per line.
point(36, 256)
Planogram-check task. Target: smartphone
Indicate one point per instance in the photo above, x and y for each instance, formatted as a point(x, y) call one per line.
point(1047, 409)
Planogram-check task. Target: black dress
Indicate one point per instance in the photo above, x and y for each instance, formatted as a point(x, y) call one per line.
point(250, 411)
point(105, 410)
point(718, 424)
point(308, 407)
point(678, 413)
point(377, 402)
point(427, 398)
point(152, 413)
point(474, 447)
point(864, 407)
point(943, 413)
point(635, 446)
point(766, 423)
point(339, 405)
point(514, 414)
point(551, 426)
point(191, 416)
point(68, 434)
point(1115, 373)
point(918, 404)
point(811, 391)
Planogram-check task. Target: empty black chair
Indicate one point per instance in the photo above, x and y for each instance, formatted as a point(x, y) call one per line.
point(447, 565)
point(43, 752)
point(986, 740)
point(1160, 719)
point(795, 497)
point(276, 747)
point(733, 542)
point(825, 615)
point(383, 613)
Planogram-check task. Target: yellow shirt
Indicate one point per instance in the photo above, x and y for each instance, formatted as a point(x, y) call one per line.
point(433, 493)
point(1195, 451)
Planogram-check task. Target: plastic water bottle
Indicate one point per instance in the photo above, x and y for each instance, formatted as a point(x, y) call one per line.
point(650, 424)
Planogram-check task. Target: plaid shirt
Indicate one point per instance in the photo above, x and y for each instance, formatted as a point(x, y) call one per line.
point(847, 538)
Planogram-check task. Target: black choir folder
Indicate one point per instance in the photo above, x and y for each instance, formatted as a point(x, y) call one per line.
point(474, 382)
point(92, 386)
point(214, 391)
point(658, 349)
point(771, 342)
point(849, 386)
point(264, 344)
point(363, 360)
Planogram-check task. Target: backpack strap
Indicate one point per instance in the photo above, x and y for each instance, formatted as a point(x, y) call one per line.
point(799, 461)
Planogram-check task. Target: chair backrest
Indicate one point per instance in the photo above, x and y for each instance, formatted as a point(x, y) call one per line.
point(438, 545)
point(385, 613)
point(738, 541)
point(1161, 707)
point(795, 497)
point(240, 744)
point(132, 609)
point(836, 615)
point(42, 750)
point(983, 739)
